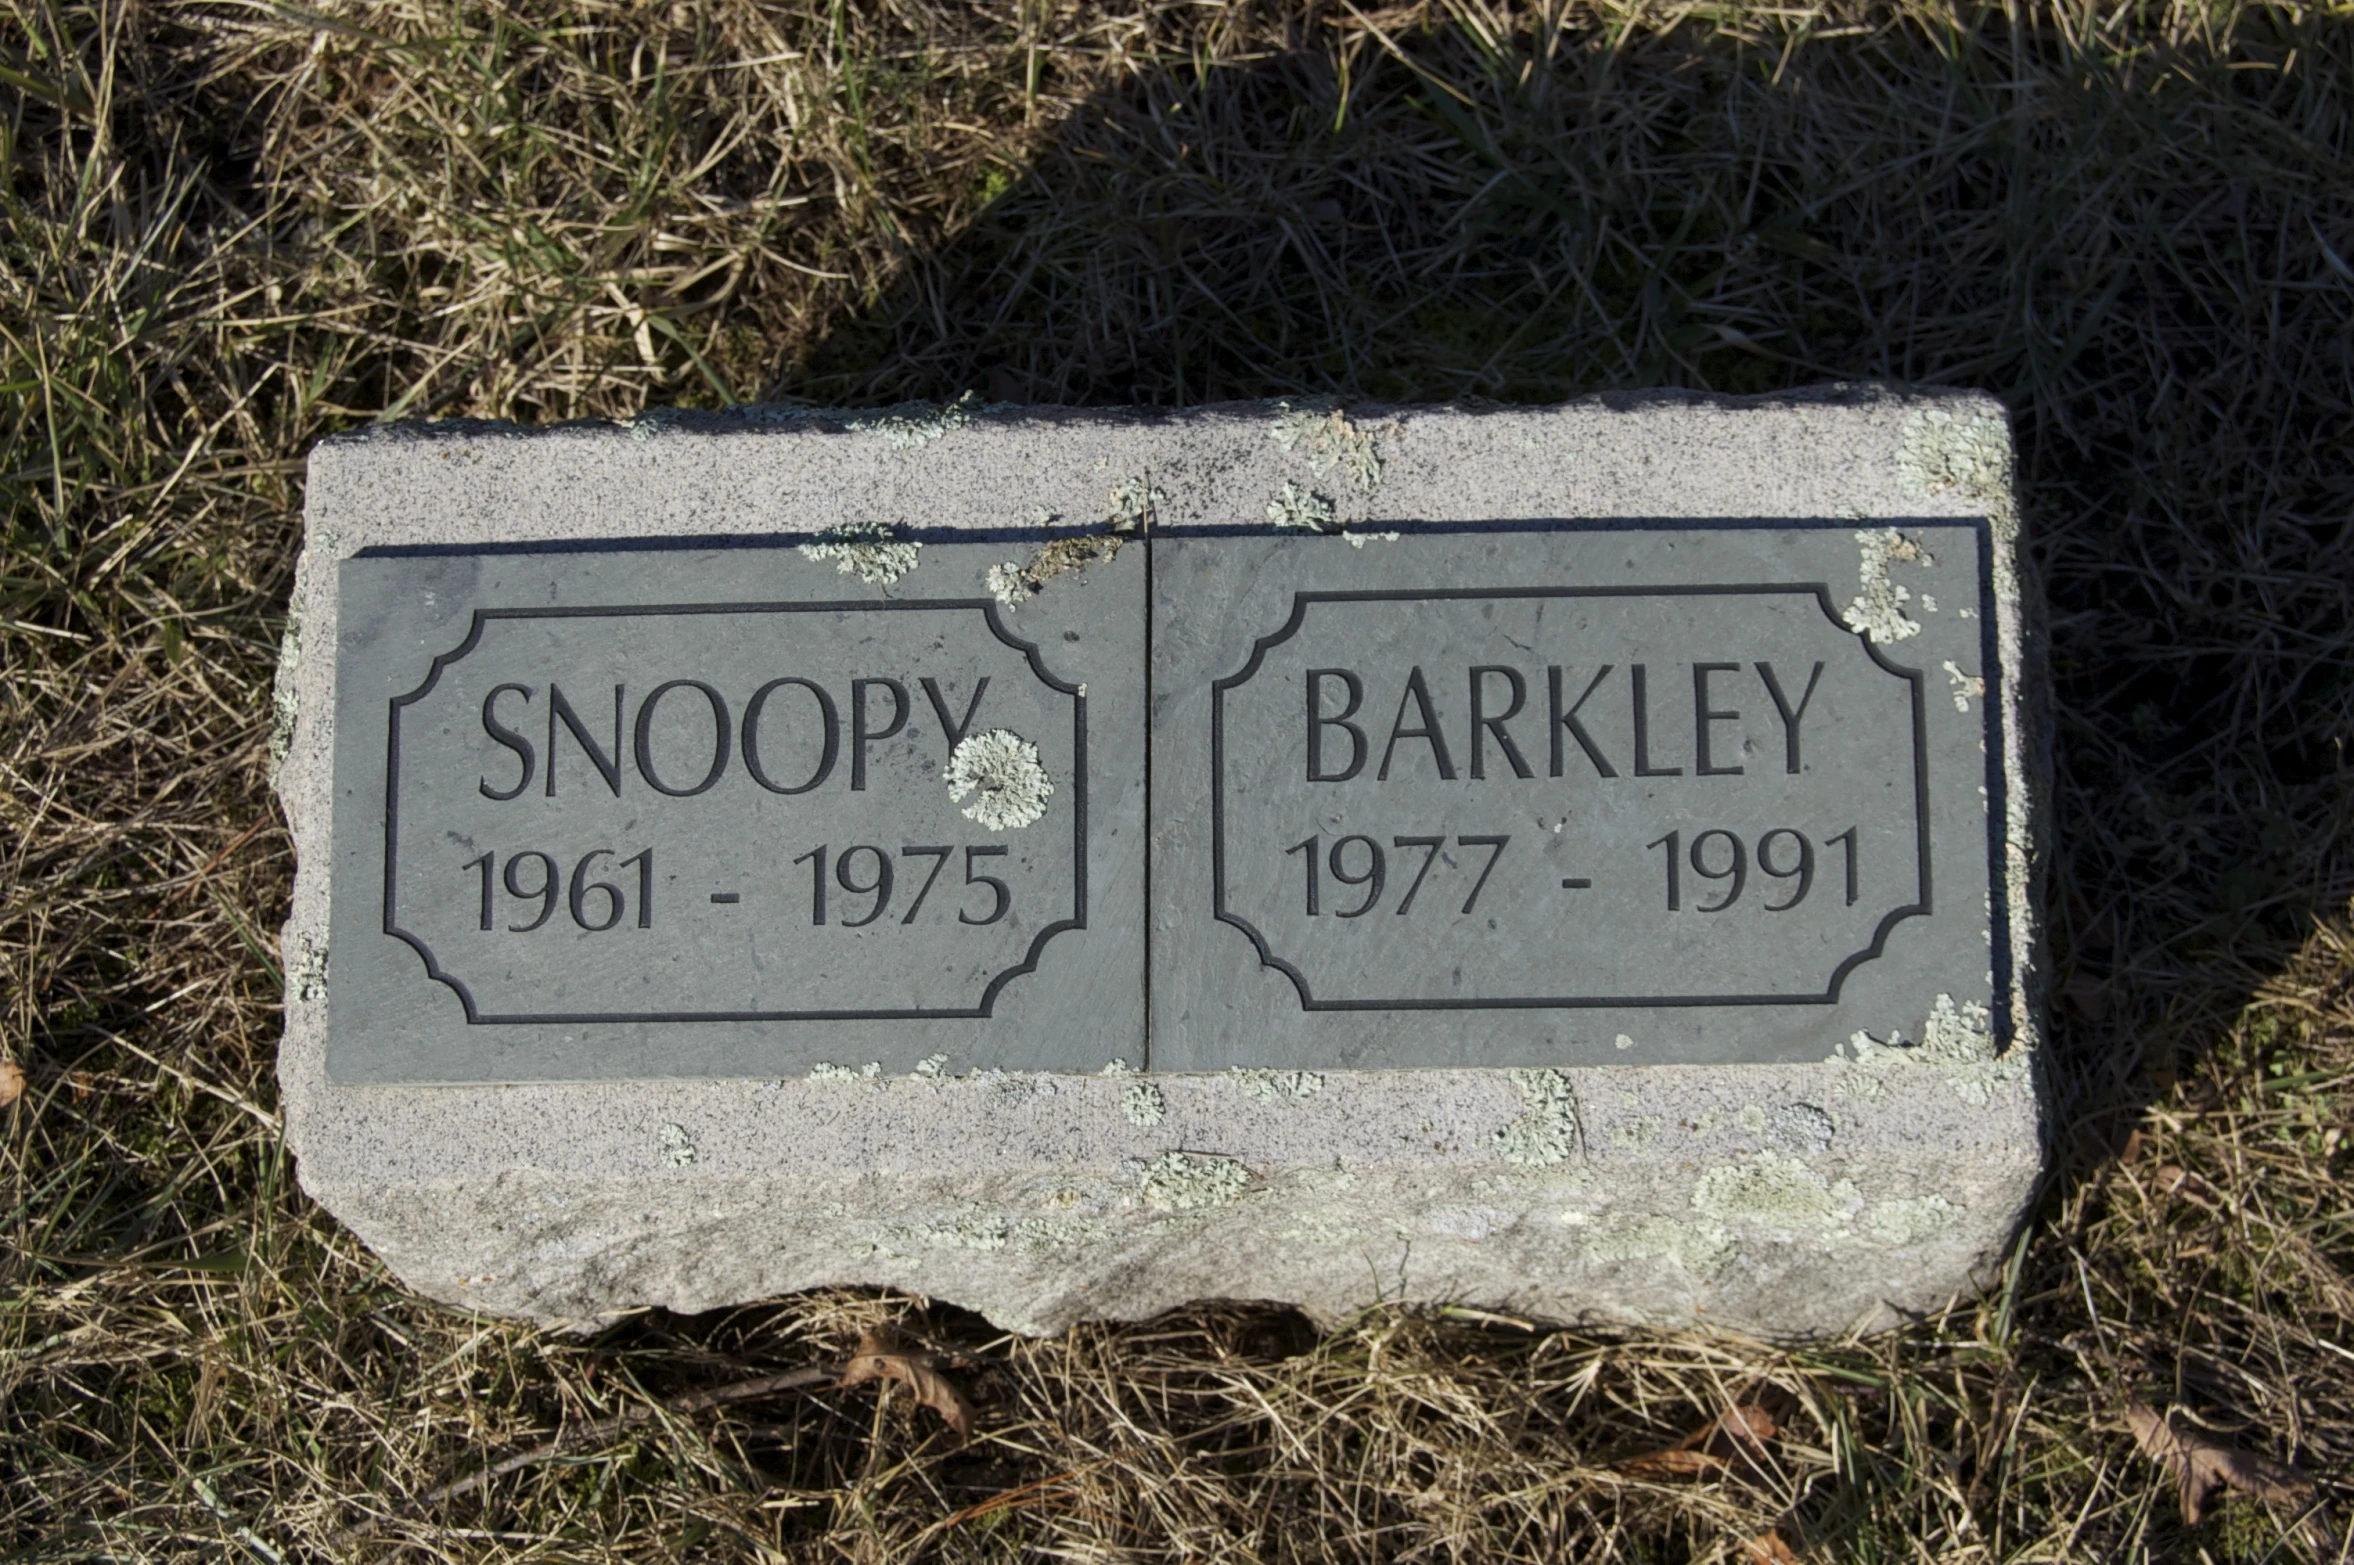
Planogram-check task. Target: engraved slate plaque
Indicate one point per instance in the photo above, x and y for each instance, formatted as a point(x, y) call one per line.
point(681, 812)
point(1541, 796)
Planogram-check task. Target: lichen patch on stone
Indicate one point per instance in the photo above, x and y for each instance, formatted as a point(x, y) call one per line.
point(1960, 1032)
point(1301, 508)
point(1940, 454)
point(1547, 1130)
point(872, 551)
point(825, 1071)
point(1878, 610)
point(675, 1147)
point(1142, 1104)
point(1133, 505)
point(1701, 1249)
point(1274, 1087)
point(1014, 583)
point(1191, 1182)
point(1331, 443)
point(1910, 1219)
point(283, 702)
point(1965, 686)
point(1777, 1190)
point(1002, 768)
point(909, 426)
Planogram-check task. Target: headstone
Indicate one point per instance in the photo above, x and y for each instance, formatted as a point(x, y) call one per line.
point(1576, 861)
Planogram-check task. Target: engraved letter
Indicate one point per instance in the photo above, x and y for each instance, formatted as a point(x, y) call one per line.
point(1495, 725)
point(954, 731)
point(1703, 715)
point(825, 712)
point(1790, 717)
point(1643, 766)
point(1318, 722)
point(1569, 720)
point(719, 737)
point(860, 735)
point(1418, 693)
point(511, 739)
point(607, 763)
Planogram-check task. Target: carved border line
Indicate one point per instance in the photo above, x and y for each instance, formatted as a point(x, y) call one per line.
point(1821, 594)
point(988, 1000)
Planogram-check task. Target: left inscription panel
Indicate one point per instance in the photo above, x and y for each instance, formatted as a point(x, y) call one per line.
point(653, 813)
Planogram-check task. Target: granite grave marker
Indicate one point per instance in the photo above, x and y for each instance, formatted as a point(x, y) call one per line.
point(1573, 860)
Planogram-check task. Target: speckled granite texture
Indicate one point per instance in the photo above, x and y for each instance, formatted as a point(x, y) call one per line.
point(1785, 1199)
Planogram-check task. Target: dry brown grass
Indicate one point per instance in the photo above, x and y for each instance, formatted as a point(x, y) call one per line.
point(227, 229)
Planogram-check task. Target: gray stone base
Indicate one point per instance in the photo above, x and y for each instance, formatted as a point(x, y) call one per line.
point(1774, 1199)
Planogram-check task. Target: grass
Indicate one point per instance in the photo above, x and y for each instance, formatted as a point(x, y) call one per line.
point(227, 229)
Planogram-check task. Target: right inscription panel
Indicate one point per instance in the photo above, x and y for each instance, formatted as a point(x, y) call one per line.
point(1560, 795)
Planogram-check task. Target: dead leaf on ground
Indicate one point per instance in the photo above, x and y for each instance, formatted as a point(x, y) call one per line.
point(2200, 1464)
point(1767, 1548)
point(12, 1082)
point(1741, 1429)
point(881, 1356)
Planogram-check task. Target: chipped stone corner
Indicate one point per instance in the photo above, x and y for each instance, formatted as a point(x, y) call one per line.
point(1002, 768)
point(872, 551)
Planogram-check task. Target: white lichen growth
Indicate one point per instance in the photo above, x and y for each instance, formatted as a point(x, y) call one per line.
point(1002, 768)
point(1964, 685)
point(1940, 454)
point(823, 1071)
point(908, 426)
point(1776, 1190)
point(1006, 584)
point(932, 1066)
point(1015, 583)
point(872, 551)
point(1547, 1130)
point(1118, 1068)
point(284, 705)
point(1622, 1042)
point(1142, 1104)
point(1277, 1088)
point(1301, 508)
point(1800, 1127)
point(1701, 1249)
point(306, 980)
point(674, 1146)
point(1959, 1033)
point(1186, 1182)
point(1331, 443)
point(1910, 1219)
point(1134, 503)
point(1359, 540)
point(1878, 610)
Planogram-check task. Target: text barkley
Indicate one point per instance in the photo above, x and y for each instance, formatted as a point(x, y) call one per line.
point(1642, 720)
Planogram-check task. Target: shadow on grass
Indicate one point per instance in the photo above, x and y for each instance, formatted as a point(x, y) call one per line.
point(2138, 244)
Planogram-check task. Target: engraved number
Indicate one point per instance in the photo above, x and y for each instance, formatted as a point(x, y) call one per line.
point(1728, 865)
point(1373, 870)
point(877, 882)
point(583, 893)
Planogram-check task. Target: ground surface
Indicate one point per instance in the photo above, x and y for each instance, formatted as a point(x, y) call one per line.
point(229, 229)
